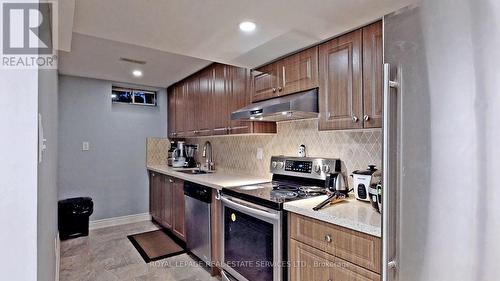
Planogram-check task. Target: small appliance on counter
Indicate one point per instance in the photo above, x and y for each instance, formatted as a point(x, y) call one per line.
point(376, 196)
point(337, 189)
point(363, 179)
point(171, 151)
point(179, 155)
point(190, 159)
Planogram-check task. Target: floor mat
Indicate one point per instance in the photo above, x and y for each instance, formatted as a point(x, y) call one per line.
point(155, 245)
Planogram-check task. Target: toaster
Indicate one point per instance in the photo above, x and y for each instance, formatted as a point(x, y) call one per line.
point(362, 180)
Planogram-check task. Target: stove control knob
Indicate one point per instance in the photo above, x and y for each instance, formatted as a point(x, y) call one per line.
point(326, 168)
point(280, 165)
point(274, 164)
point(317, 169)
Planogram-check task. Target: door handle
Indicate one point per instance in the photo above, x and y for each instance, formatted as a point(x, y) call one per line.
point(388, 261)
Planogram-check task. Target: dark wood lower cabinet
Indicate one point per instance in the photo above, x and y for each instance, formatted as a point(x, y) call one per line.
point(308, 264)
point(166, 199)
point(178, 225)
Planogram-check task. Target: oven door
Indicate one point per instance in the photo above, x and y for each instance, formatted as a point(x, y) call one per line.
point(251, 241)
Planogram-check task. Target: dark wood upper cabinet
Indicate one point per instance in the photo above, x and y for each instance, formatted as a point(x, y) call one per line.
point(265, 82)
point(295, 73)
point(372, 75)
point(171, 112)
point(298, 72)
point(204, 102)
point(190, 97)
point(221, 94)
point(239, 97)
point(180, 111)
point(341, 84)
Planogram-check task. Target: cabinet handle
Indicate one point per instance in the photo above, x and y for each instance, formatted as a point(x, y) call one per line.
point(366, 117)
point(170, 180)
point(328, 238)
point(280, 89)
point(153, 174)
point(355, 119)
point(274, 90)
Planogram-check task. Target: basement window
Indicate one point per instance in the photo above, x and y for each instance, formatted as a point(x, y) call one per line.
point(133, 96)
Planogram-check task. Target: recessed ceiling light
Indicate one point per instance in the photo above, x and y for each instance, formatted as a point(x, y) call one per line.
point(137, 73)
point(247, 26)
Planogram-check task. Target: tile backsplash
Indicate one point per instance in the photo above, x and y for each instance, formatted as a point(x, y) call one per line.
point(356, 148)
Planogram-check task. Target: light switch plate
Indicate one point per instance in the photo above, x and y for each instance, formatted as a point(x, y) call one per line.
point(260, 153)
point(85, 146)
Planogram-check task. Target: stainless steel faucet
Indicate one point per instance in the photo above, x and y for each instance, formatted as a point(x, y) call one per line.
point(208, 154)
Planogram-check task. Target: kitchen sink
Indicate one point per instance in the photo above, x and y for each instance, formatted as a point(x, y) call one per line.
point(193, 172)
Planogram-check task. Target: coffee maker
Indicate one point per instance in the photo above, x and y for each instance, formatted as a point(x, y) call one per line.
point(179, 155)
point(190, 156)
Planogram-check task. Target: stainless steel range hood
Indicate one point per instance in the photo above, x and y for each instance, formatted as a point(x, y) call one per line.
point(292, 107)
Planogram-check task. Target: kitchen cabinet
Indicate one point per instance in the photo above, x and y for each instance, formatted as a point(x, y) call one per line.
point(372, 75)
point(190, 105)
point(180, 110)
point(171, 117)
point(341, 84)
point(201, 105)
point(356, 247)
point(221, 94)
point(350, 75)
point(265, 82)
point(178, 216)
point(295, 73)
point(203, 99)
point(298, 72)
point(309, 263)
point(166, 202)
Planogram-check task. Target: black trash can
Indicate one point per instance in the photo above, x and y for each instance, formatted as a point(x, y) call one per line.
point(74, 216)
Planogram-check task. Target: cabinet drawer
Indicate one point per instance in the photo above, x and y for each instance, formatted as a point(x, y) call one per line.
point(310, 264)
point(356, 247)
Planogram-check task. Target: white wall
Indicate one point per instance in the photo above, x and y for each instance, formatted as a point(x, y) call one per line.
point(113, 172)
point(18, 174)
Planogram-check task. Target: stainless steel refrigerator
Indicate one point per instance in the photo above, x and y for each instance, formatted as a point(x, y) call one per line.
point(441, 217)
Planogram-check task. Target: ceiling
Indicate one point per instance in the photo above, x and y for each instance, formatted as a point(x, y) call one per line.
point(177, 38)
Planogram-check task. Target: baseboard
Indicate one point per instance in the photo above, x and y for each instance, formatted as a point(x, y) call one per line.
point(119, 221)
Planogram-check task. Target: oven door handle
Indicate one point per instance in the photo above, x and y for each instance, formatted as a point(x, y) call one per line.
point(249, 210)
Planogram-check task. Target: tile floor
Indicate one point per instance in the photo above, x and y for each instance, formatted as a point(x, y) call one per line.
point(107, 255)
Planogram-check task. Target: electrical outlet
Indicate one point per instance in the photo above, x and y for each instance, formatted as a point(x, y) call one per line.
point(260, 154)
point(85, 146)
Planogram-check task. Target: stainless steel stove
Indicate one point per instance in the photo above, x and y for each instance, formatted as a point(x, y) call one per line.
point(253, 220)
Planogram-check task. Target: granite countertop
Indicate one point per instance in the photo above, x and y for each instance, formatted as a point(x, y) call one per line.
point(217, 180)
point(352, 214)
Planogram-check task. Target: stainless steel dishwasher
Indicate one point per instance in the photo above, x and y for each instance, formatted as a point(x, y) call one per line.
point(198, 199)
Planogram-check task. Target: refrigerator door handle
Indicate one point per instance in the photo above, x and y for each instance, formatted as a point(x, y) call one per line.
point(388, 262)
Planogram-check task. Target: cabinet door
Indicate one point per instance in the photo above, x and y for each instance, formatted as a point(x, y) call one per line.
point(180, 109)
point(372, 75)
point(340, 75)
point(190, 99)
point(152, 194)
point(178, 227)
point(221, 96)
point(308, 264)
point(204, 101)
point(171, 112)
point(298, 72)
point(265, 82)
point(240, 97)
point(166, 202)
